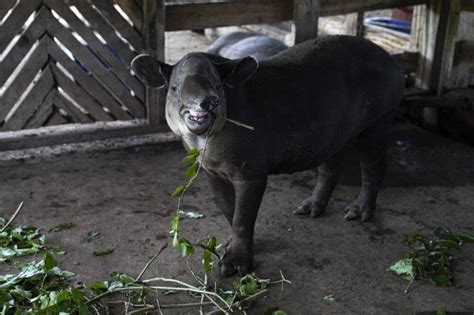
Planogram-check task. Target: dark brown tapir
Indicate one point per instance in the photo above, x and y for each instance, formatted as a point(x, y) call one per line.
point(306, 104)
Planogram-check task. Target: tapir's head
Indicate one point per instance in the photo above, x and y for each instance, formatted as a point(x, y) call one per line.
point(195, 88)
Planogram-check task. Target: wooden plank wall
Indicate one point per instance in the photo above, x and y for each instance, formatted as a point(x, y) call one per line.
point(70, 62)
point(185, 16)
point(67, 61)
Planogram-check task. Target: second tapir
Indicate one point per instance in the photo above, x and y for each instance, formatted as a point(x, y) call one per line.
point(306, 105)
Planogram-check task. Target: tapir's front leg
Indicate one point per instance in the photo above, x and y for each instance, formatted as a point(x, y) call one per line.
point(239, 253)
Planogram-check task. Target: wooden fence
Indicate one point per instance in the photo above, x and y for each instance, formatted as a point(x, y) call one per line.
point(67, 61)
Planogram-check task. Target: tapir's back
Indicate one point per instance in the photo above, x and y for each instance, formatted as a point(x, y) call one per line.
point(322, 92)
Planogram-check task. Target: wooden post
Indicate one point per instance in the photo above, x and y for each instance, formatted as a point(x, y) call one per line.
point(354, 24)
point(437, 49)
point(305, 17)
point(154, 34)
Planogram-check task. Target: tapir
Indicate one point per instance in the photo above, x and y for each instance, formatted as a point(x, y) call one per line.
point(238, 45)
point(306, 105)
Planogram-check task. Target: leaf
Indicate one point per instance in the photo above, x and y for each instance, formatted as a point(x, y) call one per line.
point(206, 254)
point(176, 240)
point(466, 238)
point(185, 247)
point(102, 252)
point(329, 298)
point(404, 268)
point(175, 224)
point(441, 311)
point(49, 262)
point(93, 234)
point(62, 226)
point(249, 285)
point(190, 214)
point(191, 156)
point(178, 191)
point(191, 171)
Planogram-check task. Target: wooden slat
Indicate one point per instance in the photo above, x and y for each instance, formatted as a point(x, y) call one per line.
point(114, 18)
point(45, 110)
point(104, 29)
point(30, 104)
point(85, 56)
point(133, 11)
point(336, 7)
point(74, 133)
point(94, 88)
point(61, 102)
point(78, 95)
point(5, 6)
point(13, 25)
point(37, 61)
point(305, 18)
point(87, 34)
point(56, 119)
point(154, 33)
point(199, 16)
point(21, 48)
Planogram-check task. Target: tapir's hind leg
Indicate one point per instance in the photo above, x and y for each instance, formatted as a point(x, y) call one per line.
point(371, 148)
point(328, 175)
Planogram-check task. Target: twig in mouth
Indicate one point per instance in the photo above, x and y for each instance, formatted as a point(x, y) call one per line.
point(151, 261)
point(235, 122)
point(12, 218)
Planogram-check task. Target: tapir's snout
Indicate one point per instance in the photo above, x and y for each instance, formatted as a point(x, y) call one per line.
point(199, 103)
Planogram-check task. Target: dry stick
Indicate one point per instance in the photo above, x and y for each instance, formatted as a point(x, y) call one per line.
point(238, 304)
point(235, 122)
point(187, 287)
point(170, 306)
point(12, 218)
point(151, 261)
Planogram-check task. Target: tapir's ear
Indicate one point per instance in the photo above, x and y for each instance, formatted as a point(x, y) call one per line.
point(151, 71)
point(237, 72)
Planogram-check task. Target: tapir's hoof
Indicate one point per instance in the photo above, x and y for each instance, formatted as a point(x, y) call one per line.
point(309, 206)
point(238, 259)
point(228, 269)
point(355, 211)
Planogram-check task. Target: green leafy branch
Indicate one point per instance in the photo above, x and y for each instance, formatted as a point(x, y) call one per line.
point(431, 260)
point(182, 244)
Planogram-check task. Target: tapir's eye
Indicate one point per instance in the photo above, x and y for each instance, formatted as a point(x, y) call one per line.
point(174, 88)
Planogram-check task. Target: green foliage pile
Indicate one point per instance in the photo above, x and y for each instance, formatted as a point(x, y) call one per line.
point(19, 241)
point(431, 260)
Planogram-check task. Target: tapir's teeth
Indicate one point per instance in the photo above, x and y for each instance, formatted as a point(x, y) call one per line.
point(197, 114)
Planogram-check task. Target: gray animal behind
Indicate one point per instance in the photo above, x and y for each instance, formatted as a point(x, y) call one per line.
point(242, 44)
point(307, 104)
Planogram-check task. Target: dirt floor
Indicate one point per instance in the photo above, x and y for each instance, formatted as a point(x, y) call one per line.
point(124, 195)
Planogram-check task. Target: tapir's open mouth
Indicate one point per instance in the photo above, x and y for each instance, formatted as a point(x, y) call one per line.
point(198, 117)
point(197, 122)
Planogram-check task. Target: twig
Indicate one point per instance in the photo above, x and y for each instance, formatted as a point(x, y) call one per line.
point(189, 288)
point(151, 261)
point(238, 304)
point(409, 285)
point(235, 122)
point(13, 217)
point(146, 308)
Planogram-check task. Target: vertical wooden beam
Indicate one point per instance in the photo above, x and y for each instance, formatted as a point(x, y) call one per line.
point(437, 49)
point(154, 33)
point(305, 17)
point(354, 24)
